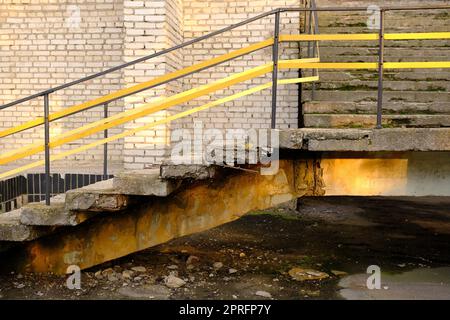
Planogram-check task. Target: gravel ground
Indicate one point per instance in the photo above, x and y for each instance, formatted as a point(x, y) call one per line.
point(308, 253)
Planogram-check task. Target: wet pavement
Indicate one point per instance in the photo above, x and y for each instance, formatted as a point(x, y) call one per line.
point(322, 250)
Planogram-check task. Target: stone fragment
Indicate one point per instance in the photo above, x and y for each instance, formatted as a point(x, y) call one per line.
point(217, 265)
point(139, 269)
point(301, 274)
point(172, 281)
point(264, 294)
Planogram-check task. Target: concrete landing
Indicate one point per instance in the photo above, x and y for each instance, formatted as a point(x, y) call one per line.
point(386, 139)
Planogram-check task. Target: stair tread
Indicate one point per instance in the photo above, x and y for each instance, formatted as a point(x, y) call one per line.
point(369, 120)
point(345, 107)
point(145, 182)
point(38, 214)
point(11, 229)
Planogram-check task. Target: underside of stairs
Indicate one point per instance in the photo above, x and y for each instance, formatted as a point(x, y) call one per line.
point(411, 97)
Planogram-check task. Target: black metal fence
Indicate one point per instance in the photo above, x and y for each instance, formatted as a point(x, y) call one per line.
point(20, 190)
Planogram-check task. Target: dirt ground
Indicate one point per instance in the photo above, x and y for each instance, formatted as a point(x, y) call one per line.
point(335, 238)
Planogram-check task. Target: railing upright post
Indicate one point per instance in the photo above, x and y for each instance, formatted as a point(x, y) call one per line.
point(309, 30)
point(275, 69)
point(47, 149)
point(314, 44)
point(380, 70)
point(105, 146)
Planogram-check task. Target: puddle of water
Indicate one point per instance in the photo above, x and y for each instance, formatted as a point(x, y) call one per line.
point(417, 284)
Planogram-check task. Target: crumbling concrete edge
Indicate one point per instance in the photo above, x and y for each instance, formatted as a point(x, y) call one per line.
point(386, 139)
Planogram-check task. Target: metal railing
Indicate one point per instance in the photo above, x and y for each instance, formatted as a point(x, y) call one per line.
point(312, 10)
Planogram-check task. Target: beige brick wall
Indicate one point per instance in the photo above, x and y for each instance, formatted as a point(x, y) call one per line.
point(43, 45)
point(253, 111)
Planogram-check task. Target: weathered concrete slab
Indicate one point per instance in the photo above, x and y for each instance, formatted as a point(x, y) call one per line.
point(12, 230)
point(387, 139)
point(97, 197)
point(146, 182)
point(38, 214)
point(188, 171)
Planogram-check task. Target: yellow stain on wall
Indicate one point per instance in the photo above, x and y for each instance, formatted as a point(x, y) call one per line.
point(365, 177)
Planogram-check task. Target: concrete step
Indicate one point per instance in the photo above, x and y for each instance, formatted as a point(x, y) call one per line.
point(97, 197)
point(342, 107)
point(403, 13)
point(38, 214)
point(369, 121)
point(11, 229)
point(389, 75)
point(188, 171)
point(388, 85)
point(338, 23)
point(146, 182)
point(388, 96)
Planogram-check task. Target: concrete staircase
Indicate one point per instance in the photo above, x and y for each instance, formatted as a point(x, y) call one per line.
point(412, 98)
point(112, 196)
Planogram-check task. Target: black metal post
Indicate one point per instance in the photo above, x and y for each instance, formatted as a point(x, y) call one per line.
point(380, 70)
point(314, 73)
point(314, 27)
point(300, 117)
point(105, 146)
point(275, 69)
point(47, 149)
point(306, 28)
point(309, 31)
